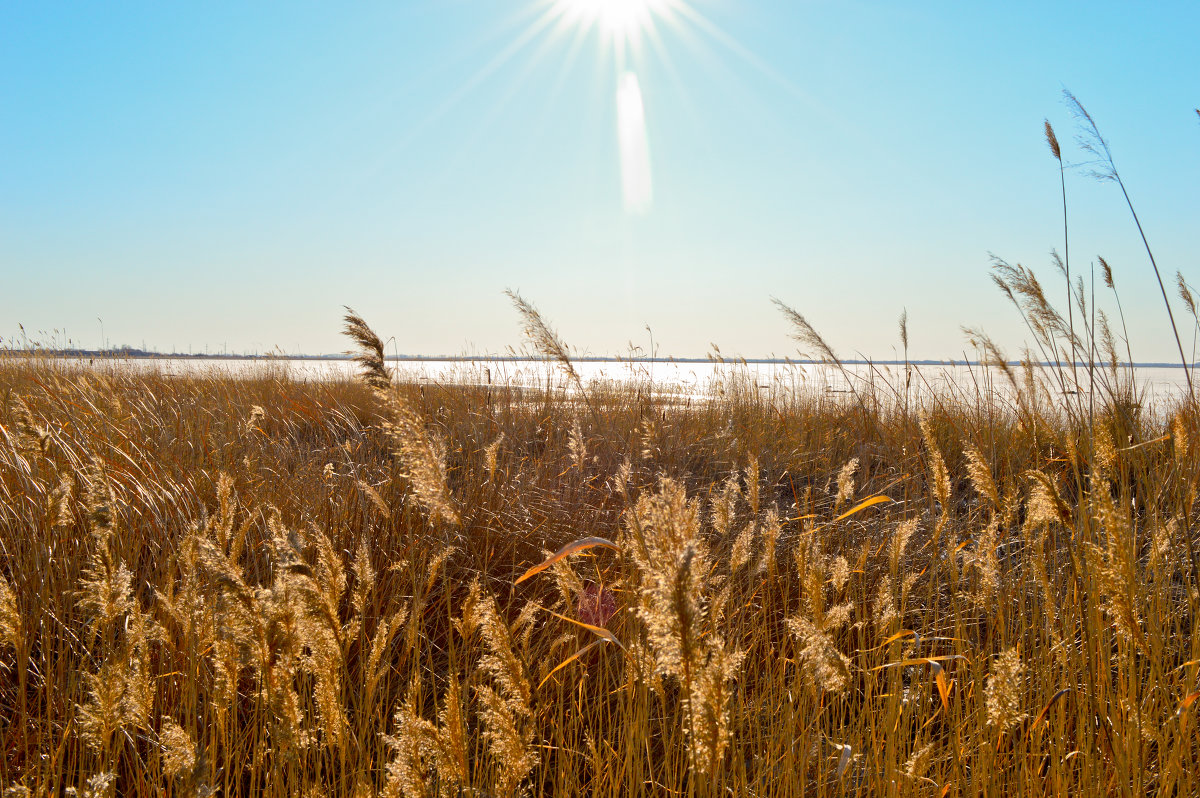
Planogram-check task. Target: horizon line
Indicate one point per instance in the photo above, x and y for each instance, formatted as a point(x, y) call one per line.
point(133, 353)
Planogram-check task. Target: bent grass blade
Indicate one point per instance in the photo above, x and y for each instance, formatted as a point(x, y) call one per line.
point(864, 504)
point(575, 547)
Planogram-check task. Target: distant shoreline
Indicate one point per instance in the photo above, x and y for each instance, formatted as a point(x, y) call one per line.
point(137, 354)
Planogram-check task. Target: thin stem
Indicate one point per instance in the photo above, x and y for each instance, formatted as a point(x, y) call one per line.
point(1099, 147)
point(1062, 177)
point(1187, 370)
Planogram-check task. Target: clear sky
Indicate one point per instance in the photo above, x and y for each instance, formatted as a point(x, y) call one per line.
point(231, 174)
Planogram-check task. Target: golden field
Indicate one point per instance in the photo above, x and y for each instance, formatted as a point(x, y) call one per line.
point(266, 586)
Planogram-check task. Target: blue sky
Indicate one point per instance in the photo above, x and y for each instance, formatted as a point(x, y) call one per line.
point(232, 174)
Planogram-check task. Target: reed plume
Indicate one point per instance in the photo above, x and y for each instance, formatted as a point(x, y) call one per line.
point(845, 483)
point(675, 611)
point(939, 475)
point(423, 456)
point(32, 437)
point(1115, 568)
point(550, 346)
point(98, 785)
point(411, 770)
point(1005, 690)
point(544, 339)
point(178, 749)
point(12, 628)
point(826, 667)
point(428, 758)
point(807, 335)
point(491, 455)
point(119, 694)
point(421, 453)
point(505, 706)
point(369, 354)
point(980, 474)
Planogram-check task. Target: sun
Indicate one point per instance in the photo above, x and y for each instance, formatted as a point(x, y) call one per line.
point(621, 21)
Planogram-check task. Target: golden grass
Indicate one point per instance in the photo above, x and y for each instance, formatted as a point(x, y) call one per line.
point(263, 586)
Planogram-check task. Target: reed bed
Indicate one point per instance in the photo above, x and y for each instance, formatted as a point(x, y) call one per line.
point(269, 587)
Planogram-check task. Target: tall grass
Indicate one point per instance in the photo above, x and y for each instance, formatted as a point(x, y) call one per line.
point(244, 586)
point(268, 586)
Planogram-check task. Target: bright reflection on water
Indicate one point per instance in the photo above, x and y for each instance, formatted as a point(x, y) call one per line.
point(684, 379)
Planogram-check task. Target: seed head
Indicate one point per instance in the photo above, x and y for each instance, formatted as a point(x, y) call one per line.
point(1052, 140)
point(1003, 691)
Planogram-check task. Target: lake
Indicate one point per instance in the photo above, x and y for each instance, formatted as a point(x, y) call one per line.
point(696, 379)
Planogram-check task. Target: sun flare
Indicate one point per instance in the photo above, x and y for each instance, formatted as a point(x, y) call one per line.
point(623, 25)
point(620, 20)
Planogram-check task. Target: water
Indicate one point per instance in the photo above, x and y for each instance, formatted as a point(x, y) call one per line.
point(696, 379)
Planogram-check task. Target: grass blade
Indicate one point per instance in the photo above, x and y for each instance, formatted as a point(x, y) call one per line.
point(583, 544)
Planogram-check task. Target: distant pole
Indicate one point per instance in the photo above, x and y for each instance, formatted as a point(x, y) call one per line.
point(103, 340)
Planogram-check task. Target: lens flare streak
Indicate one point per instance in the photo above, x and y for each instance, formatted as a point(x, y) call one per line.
point(636, 185)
